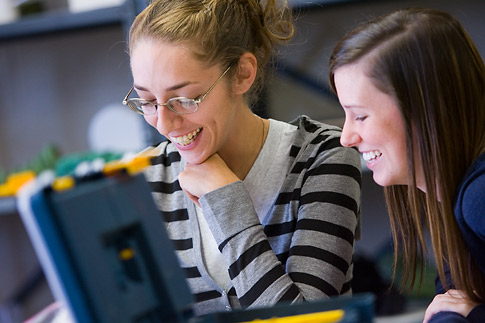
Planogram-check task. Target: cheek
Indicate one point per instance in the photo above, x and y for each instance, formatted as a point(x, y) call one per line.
point(393, 132)
point(397, 143)
point(400, 139)
point(151, 120)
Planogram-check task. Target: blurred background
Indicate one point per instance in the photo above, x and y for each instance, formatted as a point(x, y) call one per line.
point(65, 69)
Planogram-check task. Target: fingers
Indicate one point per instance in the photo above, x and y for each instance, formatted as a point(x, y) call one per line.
point(452, 301)
point(197, 180)
point(193, 198)
point(456, 293)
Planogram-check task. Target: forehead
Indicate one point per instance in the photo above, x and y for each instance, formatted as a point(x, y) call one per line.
point(163, 57)
point(352, 83)
point(357, 91)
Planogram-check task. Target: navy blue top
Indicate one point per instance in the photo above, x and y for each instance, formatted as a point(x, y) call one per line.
point(470, 215)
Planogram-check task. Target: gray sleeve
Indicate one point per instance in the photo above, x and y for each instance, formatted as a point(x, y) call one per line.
point(325, 199)
point(256, 273)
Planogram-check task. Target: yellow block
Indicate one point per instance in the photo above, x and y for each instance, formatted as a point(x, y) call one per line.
point(5, 190)
point(113, 167)
point(126, 254)
point(15, 181)
point(132, 166)
point(63, 183)
point(137, 164)
point(319, 317)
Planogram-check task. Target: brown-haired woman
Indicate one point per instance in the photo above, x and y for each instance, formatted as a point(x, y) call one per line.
point(260, 211)
point(412, 85)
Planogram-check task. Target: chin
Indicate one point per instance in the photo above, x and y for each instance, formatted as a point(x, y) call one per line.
point(382, 181)
point(193, 158)
point(193, 161)
point(390, 181)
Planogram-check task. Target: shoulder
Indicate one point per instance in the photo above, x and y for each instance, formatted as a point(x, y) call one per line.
point(471, 196)
point(322, 141)
point(472, 189)
point(165, 161)
point(312, 129)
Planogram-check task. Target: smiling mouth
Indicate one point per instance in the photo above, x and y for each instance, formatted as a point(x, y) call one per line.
point(370, 156)
point(186, 139)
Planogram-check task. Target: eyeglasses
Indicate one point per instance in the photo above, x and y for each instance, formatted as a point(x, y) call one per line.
point(180, 105)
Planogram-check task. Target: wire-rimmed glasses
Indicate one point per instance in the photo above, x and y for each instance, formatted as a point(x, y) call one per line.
point(180, 105)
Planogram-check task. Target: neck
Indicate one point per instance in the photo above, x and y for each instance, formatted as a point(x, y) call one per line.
point(245, 142)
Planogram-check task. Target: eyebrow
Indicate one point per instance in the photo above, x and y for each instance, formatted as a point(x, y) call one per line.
point(172, 88)
point(352, 106)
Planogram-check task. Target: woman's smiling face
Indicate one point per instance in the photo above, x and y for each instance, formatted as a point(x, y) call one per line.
point(373, 124)
point(162, 71)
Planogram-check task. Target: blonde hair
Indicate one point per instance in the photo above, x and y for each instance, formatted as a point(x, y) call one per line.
point(221, 30)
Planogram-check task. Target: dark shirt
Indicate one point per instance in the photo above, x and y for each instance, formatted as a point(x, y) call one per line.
point(470, 215)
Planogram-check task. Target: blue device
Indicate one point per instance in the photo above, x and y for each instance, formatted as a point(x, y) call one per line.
point(106, 255)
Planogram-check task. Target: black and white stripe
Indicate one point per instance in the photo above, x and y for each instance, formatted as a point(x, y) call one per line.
point(302, 250)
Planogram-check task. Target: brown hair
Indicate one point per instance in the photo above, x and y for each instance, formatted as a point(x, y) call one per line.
point(222, 30)
point(427, 62)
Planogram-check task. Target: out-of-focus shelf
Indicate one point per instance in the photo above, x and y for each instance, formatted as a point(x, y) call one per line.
point(63, 20)
point(318, 3)
point(8, 206)
point(57, 21)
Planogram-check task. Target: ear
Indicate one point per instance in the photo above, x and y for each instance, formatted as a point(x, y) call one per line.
point(247, 68)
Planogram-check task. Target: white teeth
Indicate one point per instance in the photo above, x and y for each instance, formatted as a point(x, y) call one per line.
point(187, 138)
point(371, 155)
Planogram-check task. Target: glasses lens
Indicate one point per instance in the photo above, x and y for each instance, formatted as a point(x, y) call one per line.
point(133, 106)
point(141, 106)
point(147, 107)
point(182, 105)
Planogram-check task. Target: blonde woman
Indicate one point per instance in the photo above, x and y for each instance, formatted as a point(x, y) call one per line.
point(260, 211)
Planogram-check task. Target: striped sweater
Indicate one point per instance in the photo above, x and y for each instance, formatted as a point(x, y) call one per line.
point(303, 248)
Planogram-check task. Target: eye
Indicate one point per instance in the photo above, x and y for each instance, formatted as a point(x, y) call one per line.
point(144, 103)
point(181, 103)
point(360, 118)
point(147, 107)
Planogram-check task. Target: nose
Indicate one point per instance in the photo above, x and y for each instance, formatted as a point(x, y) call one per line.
point(349, 137)
point(164, 120)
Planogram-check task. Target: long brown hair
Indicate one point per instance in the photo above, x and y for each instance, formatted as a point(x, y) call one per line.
point(221, 30)
point(427, 62)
